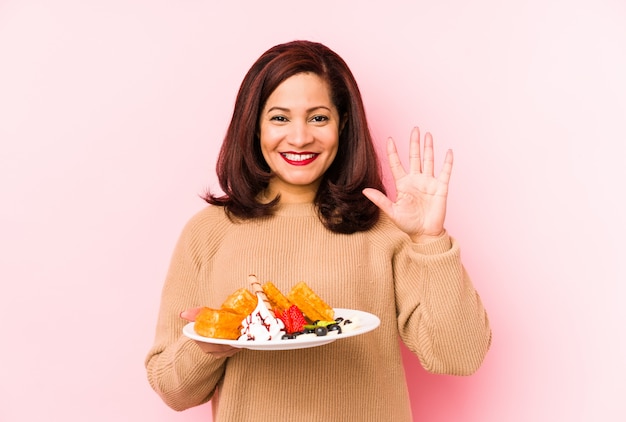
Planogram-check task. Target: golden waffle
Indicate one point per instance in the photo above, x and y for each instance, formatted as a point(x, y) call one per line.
point(311, 305)
point(219, 323)
point(241, 301)
point(278, 300)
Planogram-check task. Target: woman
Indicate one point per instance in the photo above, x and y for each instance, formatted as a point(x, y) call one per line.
point(302, 193)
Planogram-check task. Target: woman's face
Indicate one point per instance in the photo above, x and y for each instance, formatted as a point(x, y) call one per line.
point(299, 132)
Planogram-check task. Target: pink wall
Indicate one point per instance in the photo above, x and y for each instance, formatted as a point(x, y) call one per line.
point(112, 112)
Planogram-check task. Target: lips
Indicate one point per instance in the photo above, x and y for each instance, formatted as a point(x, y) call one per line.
point(299, 158)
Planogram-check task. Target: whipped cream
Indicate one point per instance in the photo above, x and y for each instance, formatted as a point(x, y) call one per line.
point(261, 324)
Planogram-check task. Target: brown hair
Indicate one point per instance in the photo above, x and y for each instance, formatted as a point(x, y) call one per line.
point(242, 170)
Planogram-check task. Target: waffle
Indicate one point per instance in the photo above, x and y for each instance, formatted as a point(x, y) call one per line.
point(278, 301)
point(219, 323)
point(226, 321)
point(241, 301)
point(311, 305)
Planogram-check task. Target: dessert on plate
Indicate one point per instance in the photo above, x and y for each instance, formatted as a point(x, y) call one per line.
point(225, 322)
point(266, 314)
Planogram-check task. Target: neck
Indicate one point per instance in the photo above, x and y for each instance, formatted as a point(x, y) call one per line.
point(290, 195)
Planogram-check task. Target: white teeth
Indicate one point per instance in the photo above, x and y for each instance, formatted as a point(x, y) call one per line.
point(298, 157)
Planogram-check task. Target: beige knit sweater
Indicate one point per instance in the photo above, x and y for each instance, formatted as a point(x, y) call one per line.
point(421, 293)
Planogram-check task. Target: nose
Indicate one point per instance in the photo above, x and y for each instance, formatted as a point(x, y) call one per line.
point(300, 135)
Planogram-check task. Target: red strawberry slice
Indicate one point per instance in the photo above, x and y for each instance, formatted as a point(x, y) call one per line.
point(297, 318)
point(293, 319)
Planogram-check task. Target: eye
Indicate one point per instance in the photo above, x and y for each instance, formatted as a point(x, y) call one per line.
point(319, 118)
point(278, 119)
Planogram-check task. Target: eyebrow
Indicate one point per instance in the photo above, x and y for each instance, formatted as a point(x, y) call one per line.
point(284, 109)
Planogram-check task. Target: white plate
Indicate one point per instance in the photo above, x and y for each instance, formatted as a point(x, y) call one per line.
point(366, 323)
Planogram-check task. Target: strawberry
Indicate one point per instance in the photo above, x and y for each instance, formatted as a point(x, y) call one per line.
point(293, 319)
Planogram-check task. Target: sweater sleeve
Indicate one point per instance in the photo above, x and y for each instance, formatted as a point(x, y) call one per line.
point(178, 370)
point(440, 315)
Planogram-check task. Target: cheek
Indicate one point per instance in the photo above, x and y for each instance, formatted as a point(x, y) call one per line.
point(335, 149)
point(269, 138)
point(334, 157)
point(265, 141)
point(334, 143)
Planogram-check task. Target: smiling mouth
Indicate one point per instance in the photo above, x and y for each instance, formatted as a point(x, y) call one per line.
point(298, 159)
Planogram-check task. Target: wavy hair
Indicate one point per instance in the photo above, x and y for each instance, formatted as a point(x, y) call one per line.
point(242, 171)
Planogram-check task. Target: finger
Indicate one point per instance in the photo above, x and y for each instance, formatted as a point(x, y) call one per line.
point(394, 160)
point(429, 155)
point(379, 199)
point(190, 314)
point(415, 160)
point(446, 170)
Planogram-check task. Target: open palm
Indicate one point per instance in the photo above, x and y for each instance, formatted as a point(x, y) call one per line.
point(420, 206)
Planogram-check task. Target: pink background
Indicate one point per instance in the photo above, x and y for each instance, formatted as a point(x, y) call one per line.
point(111, 116)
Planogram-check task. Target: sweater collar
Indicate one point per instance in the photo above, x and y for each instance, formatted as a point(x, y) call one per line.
point(296, 210)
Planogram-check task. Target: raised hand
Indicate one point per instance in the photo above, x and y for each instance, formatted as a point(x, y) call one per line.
point(420, 206)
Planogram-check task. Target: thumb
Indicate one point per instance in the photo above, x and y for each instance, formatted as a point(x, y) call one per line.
point(379, 199)
point(190, 314)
